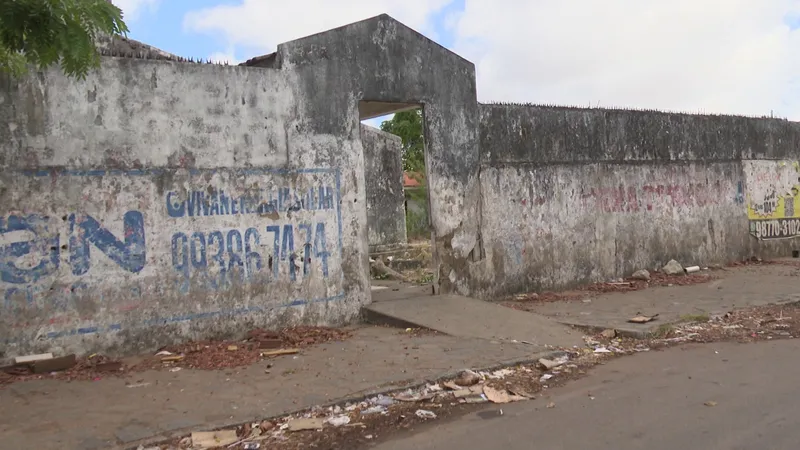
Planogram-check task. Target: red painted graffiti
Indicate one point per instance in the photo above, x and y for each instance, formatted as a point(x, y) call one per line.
point(652, 196)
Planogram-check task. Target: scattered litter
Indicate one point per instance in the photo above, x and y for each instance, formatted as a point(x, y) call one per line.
point(382, 400)
point(642, 319)
point(138, 385)
point(551, 405)
point(451, 385)
point(32, 358)
point(213, 439)
point(692, 269)
point(172, 358)
point(545, 377)
point(710, 403)
point(548, 364)
point(282, 351)
point(374, 410)
point(313, 423)
point(414, 397)
point(500, 374)
point(466, 392)
point(475, 399)
point(467, 378)
point(175, 369)
point(251, 446)
point(602, 350)
point(232, 348)
point(338, 421)
point(369, 436)
point(609, 333)
point(496, 395)
point(520, 392)
point(425, 414)
point(163, 353)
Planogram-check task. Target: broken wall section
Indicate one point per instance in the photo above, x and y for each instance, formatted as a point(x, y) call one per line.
point(578, 195)
point(386, 214)
point(156, 202)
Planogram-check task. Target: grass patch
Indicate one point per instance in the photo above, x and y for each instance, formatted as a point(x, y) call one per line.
point(663, 331)
point(695, 318)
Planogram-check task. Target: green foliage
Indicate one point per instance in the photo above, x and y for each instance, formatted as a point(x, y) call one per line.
point(408, 125)
point(46, 32)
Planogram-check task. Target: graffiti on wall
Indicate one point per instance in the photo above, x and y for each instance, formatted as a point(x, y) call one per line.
point(109, 241)
point(773, 200)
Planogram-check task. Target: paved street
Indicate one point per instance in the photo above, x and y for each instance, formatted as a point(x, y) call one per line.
point(650, 401)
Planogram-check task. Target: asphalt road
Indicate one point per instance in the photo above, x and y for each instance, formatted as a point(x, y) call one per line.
point(652, 401)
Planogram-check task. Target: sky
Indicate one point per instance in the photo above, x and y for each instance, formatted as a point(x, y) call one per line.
point(699, 56)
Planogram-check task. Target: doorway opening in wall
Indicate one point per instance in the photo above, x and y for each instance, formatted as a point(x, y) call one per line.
point(398, 205)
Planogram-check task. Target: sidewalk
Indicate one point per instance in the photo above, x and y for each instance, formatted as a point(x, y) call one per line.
point(113, 412)
point(46, 414)
point(732, 287)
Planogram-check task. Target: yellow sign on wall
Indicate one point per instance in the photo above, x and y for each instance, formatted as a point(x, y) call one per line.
point(773, 198)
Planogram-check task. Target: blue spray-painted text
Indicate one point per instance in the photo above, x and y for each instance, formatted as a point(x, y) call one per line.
point(256, 201)
point(35, 240)
point(223, 257)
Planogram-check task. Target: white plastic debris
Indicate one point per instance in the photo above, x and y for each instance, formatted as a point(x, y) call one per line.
point(374, 410)
point(545, 377)
point(338, 421)
point(425, 414)
point(602, 350)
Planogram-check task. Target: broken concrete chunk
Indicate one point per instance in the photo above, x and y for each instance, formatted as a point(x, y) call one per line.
point(609, 333)
point(316, 423)
point(496, 395)
point(548, 364)
point(642, 275)
point(467, 378)
point(673, 268)
point(213, 439)
point(32, 358)
point(54, 364)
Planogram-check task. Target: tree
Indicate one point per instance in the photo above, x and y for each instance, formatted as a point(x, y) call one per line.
point(408, 125)
point(46, 32)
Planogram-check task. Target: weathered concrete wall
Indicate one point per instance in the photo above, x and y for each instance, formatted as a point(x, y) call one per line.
point(381, 60)
point(572, 195)
point(159, 201)
point(383, 163)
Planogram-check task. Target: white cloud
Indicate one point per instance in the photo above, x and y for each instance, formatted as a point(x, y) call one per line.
point(729, 56)
point(726, 56)
point(131, 9)
point(263, 24)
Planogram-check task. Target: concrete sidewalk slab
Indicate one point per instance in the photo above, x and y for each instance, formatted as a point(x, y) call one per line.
point(103, 414)
point(471, 318)
point(735, 288)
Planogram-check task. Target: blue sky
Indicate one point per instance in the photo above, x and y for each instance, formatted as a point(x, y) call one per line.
point(729, 57)
point(162, 26)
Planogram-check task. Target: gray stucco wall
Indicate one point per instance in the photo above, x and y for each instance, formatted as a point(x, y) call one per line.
point(382, 60)
point(574, 195)
point(160, 201)
point(383, 163)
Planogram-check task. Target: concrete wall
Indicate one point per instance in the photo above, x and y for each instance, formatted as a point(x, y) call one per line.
point(383, 163)
point(159, 201)
point(381, 60)
point(573, 195)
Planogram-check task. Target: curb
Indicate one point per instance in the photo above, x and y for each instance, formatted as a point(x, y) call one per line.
point(352, 398)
